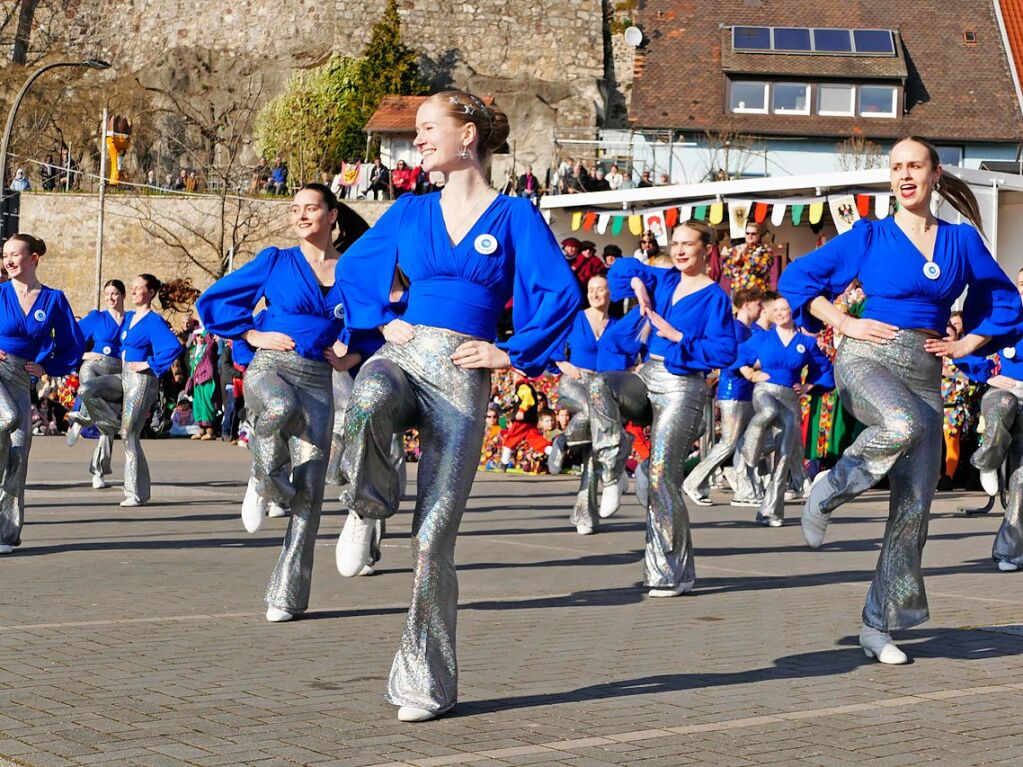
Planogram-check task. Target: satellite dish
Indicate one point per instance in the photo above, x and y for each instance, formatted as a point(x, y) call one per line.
point(634, 36)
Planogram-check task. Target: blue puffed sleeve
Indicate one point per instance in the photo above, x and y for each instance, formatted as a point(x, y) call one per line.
point(626, 339)
point(826, 272)
point(819, 370)
point(545, 294)
point(88, 324)
point(225, 308)
point(976, 368)
point(992, 306)
point(714, 347)
point(619, 277)
point(65, 353)
point(748, 353)
point(365, 272)
point(165, 345)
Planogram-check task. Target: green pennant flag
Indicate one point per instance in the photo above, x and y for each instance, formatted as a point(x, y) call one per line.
point(700, 212)
point(617, 222)
point(797, 214)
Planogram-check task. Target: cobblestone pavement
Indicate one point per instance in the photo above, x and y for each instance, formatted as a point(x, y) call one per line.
point(136, 637)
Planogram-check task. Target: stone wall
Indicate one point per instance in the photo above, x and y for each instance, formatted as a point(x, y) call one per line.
point(67, 222)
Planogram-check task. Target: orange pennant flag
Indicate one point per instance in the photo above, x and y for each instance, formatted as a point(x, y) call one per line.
point(760, 212)
point(863, 205)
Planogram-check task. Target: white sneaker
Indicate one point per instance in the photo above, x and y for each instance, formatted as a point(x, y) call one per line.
point(584, 529)
point(813, 522)
point(695, 497)
point(353, 552)
point(252, 508)
point(129, 503)
point(276, 510)
point(98, 482)
point(278, 616)
point(989, 481)
point(877, 644)
point(6, 548)
point(610, 500)
point(791, 495)
point(73, 434)
point(1007, 567)
point(683, 588)
point(745, 503)
point(413, 714)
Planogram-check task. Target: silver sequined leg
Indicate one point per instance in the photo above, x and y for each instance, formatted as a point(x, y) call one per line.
point(575, 396)
point(1008, 545)
point(140, 392)
point(677, 403)
point(100, 395)
point(735, 415)
point(273, 404)
point(417, 384)
point(586, 499)
point(615, 397)
point(306, 437)
point(343, 384)
point(894, 389)
point(776, 407)
point(15, 444)
point(998, 409)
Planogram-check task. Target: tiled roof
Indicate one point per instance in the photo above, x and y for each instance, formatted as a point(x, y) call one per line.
point(954, 91)
point(396, 114)
point(1012, 16)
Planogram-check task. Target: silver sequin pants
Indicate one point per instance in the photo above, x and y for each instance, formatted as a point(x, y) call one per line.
point(893, 389)
point(735, 416)
point(1008, 546)
point(140, 392)
point(1002, 414)
point(15, 443)
point(100, 395)
point(398, 388)
point(574, 395)
point(674, 404)
point(292, 407)
point(775, 407)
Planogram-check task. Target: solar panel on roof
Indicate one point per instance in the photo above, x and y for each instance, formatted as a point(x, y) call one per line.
point(873, 41)
point(792, 39)
point(832, 40)
point(751, 38)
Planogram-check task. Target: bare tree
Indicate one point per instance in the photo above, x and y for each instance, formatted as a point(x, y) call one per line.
point(859, 153)
point(728, 154)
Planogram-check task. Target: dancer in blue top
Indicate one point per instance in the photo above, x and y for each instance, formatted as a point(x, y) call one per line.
point(888, 368)
point(579, 362)
point(773, 362)
point(693, 320)
point(38, 334)
point(465, 252)
point(100, 378)
point(288, 385)
point(734, 401)
point(148, 349)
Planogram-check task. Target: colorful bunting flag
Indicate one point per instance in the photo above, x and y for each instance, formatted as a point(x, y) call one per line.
point(671, 217)
point(863, 205)
point(700, 213)
point(653, 222)
point(778, 214)
point(602, 221)
point(717, 213)
point(882, 204)
point(797, 214)
point(760, 212)
point(843, 212)
point(589, 220)
point(816, 212)
point(616, 225)
point(636, 225)
point(577, 220)
point(738, 215)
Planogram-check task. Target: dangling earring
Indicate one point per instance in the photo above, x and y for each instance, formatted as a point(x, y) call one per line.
point(464, 154)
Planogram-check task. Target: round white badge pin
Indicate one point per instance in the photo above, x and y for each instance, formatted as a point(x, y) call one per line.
point(339, 311)
point(932, 271)
point(40, 315)
point(106, 350)
point(800, 348)
point(1009, 352)
point(486, 244)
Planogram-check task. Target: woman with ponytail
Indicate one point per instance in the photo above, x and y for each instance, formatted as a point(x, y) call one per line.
point(38, 334)
point(913, 266)
point(465, 252)
point(288, 390)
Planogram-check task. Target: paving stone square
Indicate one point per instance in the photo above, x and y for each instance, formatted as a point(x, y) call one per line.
point(137, 636)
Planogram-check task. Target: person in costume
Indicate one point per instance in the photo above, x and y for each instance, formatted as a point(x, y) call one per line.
point(288, 386)
point(38, 335)
point(522, 432)
point(773, 362)
point(579, 362)
point(888, 369)
point(692, 318)
point(100, 377)
point(734, 401)
point(748, 265)
point(465, 252)
point(202, 381)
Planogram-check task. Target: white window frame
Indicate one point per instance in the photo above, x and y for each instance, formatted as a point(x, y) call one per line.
point(853, 94)
point(747, 110)
point(878, 115)
point(806, 91)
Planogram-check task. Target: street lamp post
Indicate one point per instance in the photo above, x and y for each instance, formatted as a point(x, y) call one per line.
point(90, 63)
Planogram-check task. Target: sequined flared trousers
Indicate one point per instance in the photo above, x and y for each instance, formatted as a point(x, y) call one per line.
point(1008, 545)
point(674, 405)
point(15, 443)
point(416, 384)
point(100, 395)
point(574, 395)
point(291, 403)
point(775, 407)
point(1001, 413)
point(894, 390)
point(735, 416)
point(141, 388)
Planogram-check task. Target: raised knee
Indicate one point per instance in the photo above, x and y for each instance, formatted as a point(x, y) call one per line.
point(905, 431)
